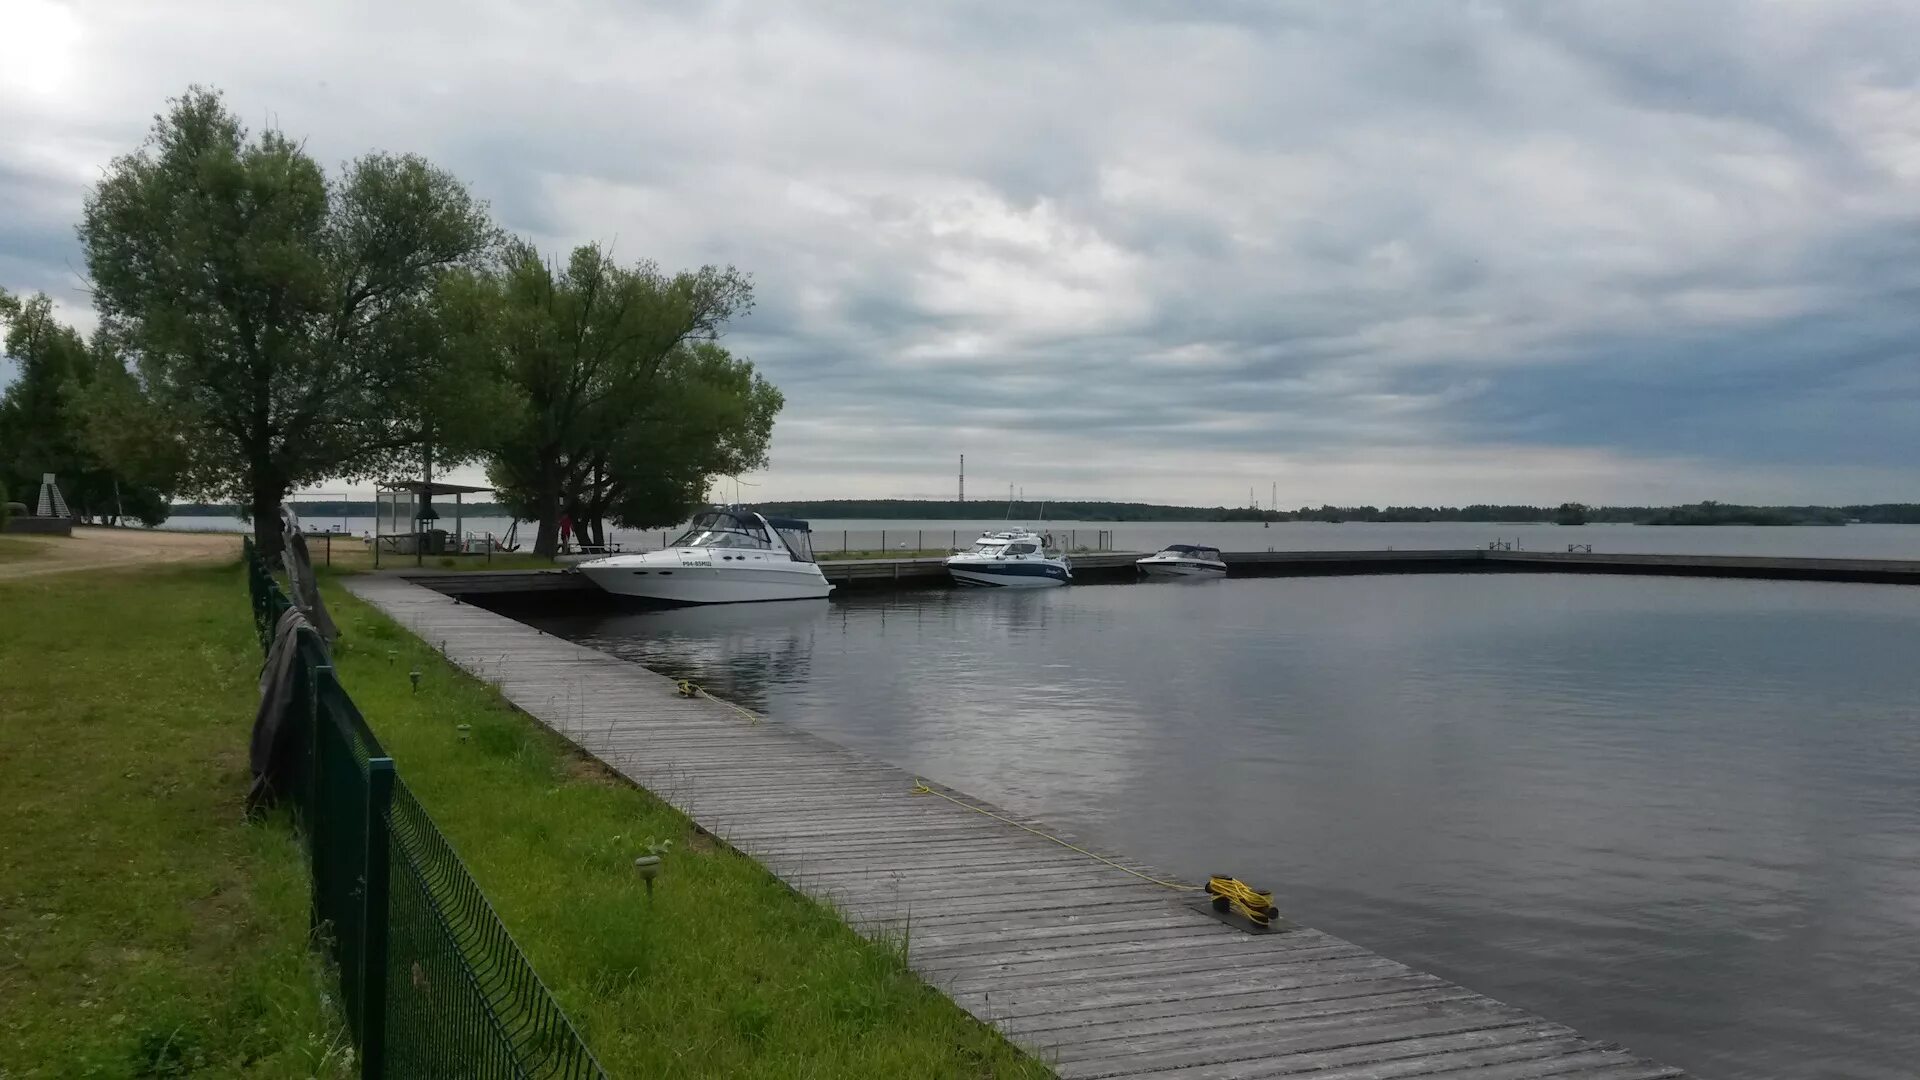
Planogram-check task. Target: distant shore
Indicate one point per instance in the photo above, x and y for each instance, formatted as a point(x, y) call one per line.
point(1702, 513)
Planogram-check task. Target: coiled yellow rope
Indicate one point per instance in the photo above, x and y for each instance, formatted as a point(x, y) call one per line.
point(690, 689)
point(1242, 898)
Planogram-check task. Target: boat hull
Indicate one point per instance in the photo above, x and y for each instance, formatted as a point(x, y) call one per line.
point(693, 584)
point(1032, 575)
point(1180, 569)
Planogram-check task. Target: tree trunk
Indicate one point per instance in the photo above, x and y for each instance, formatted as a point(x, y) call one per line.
point(546, 541)
point(593, 507)
point(599, 501)
point(265, 507)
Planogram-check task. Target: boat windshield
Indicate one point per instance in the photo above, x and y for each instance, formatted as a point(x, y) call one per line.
point(799, 542)
point(988, 547)
point(1021, 549)
point(723, 528)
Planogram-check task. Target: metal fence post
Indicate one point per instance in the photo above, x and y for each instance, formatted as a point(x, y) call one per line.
point(311, 817)
point(373, 955)
point(883, 541)
point(919, 541)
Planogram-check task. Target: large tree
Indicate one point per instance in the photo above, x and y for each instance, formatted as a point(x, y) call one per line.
point(590, 351)
point(707, 414)
point(44, 419)
point(283, 323)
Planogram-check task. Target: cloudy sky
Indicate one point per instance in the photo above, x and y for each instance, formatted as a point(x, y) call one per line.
point(1408, 252)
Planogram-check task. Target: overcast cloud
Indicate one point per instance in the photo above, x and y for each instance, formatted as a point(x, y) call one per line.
point(1436, 252)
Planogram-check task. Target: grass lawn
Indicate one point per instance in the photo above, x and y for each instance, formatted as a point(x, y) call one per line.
point(16, 549)
point(350, 554)
point(725, 973)
point(145, 928)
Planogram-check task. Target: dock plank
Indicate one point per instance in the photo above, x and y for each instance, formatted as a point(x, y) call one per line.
point(1092, 968)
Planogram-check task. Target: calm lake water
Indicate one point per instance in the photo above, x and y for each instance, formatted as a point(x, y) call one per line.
point(1846, 542)
point(1684, 815)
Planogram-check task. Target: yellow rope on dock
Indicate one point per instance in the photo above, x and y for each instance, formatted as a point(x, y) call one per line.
point(1250, 903)
point(920, 788)
point(689, 688)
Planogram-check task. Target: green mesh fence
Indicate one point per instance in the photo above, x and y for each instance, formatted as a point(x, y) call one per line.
point(431, 983)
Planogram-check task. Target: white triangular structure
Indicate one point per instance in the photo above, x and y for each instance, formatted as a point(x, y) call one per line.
point(52, 504)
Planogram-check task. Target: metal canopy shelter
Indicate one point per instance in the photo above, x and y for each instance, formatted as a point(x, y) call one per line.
point(404, 509)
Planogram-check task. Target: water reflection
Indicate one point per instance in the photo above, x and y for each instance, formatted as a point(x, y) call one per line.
point(1680, 814)
point(742, 651)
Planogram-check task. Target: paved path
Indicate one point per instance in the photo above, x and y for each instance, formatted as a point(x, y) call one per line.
point(1095, 971)
point(93, 547)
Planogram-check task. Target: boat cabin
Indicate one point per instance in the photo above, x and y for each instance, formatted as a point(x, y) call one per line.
point(736, 528)
point(1192, 551)
point(1003, 544)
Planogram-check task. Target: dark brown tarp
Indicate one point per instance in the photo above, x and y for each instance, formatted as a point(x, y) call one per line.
point(273, 750)
point(306, 592)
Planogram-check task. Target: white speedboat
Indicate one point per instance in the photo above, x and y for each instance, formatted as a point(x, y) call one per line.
point(729, 555)
point(1014, 559)
point(1184, 561)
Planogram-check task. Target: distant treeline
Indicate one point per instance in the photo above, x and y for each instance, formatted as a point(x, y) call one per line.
point(347, 508)
point(1704, 513)
point(933, 510)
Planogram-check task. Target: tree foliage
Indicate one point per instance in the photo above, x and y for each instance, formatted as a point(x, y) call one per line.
point(623, 404)
point(285, 326)
point(710, 414)
point(44, 419)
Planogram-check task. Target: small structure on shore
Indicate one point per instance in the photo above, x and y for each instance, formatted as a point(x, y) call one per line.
point(50, 514)
point(406, 523)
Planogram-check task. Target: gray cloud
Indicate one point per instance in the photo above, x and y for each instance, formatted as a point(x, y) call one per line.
point(1377, 252)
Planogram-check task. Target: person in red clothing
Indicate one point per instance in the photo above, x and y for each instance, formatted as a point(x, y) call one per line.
point(566, 531)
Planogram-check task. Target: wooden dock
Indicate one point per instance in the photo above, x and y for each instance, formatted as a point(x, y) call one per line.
point(532, 585)
point(1093, 970)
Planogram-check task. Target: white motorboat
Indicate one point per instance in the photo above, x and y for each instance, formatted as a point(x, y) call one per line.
point(1184, 561)
point(1013, 559)
point(728, 555)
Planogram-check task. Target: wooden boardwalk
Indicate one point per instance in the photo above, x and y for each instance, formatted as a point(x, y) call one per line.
point(1095, 971)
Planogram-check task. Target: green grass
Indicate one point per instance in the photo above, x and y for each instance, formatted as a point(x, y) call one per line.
point(14, 549)
point(145, 928)
point(726, 973)
point(350, 554)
